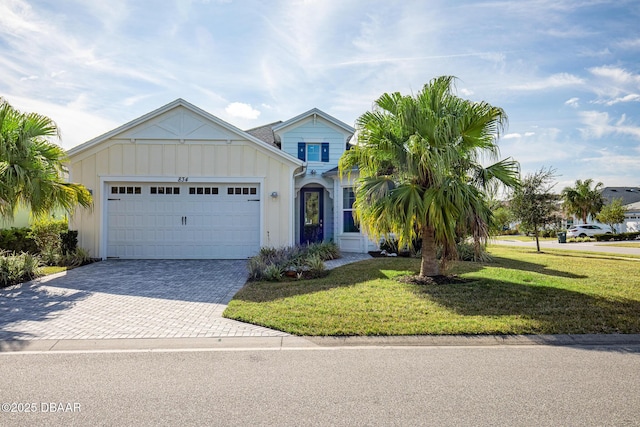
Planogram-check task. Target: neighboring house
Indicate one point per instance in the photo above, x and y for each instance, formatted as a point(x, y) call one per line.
point(179, 182)
point(630, 200)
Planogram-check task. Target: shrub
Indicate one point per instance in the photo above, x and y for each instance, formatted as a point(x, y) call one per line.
point(467, 252)
point(256, 267)
point(325, 250)
point(316, 267)
point(46, 234)
point(300, 261)
point(17, 268)
point(618, 237)
point(75, 258)
point(391, 246)
point(69, 241)
point(273, 273)
point(18, 240)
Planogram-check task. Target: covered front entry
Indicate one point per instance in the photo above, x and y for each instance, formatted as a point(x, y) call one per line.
point(311, 215)
point(182, 221)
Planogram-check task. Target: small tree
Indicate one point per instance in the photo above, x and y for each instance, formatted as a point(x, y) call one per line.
point(582, 200)
point(501, 217)
point(533, 203)
point(612, 213)
point(32, 168)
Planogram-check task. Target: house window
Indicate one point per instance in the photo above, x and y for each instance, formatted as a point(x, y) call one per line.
point(348, 224)
point(313, 152)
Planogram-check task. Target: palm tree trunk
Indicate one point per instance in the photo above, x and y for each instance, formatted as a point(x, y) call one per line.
point(429, 265)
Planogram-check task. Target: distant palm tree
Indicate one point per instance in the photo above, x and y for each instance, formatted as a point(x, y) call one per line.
point(419, 166)
point(582, 200)
point(32, 169)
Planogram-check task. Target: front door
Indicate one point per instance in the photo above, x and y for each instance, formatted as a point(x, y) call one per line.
point(311, 215)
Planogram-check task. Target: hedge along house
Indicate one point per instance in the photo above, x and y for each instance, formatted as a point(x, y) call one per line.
point(180, 183)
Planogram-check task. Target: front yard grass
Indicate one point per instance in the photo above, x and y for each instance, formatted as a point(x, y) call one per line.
point(521, 292)
point(51, 270)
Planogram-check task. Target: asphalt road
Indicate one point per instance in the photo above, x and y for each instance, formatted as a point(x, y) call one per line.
point(443, 386)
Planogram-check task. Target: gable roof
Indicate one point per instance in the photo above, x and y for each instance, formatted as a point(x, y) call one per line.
point(198, 111)
point(628, 195)
point(310, 113)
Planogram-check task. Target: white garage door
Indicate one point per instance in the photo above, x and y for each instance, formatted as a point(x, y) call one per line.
point(182, 221)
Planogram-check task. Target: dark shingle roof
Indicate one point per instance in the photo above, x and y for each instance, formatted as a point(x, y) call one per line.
point(265, 133)
point(627, 194)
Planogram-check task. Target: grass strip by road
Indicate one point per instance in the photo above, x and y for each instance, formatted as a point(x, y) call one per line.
point(521, 292)
point(521, 238)
point(624, 245)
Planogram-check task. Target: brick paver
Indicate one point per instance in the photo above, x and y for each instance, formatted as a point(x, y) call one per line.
point(132, 299)
point(128, 299)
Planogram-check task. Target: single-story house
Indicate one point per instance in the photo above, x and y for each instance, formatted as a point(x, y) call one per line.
point(630, 200)
point(181, 183)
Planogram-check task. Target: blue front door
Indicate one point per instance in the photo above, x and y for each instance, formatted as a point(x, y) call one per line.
point(311, 215)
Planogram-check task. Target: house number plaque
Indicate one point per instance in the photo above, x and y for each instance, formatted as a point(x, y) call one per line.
point(183, 179)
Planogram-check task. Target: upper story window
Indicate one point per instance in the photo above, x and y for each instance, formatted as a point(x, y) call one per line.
point(313, 151)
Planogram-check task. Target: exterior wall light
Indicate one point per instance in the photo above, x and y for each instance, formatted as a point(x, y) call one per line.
point(274, 194)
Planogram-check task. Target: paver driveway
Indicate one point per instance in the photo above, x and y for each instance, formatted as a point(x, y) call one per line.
point(128, 299)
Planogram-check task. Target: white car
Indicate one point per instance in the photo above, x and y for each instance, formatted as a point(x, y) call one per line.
point(588, 230)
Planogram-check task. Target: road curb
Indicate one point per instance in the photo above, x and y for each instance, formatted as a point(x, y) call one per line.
point(295, 342)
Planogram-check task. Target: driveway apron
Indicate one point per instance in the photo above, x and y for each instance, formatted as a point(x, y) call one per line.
point(128, 299)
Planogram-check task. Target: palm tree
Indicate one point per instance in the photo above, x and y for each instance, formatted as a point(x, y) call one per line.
point(582, 200)
point(32, 169)
point(419, 166)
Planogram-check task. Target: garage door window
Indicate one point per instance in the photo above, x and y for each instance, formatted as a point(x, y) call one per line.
point(164, 190)
point(126, 190)
point(203, 190)
point(242, 190)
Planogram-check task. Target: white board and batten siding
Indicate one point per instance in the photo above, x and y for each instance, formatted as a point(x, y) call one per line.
point(182, 147)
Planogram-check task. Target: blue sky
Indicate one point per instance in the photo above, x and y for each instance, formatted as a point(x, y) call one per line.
point(567, 72)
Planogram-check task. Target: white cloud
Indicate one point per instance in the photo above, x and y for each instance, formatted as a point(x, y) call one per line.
point(616, 74)
point(599, 124)
point(243, 111)
point(512, 136)
point(573, 102)
point(516, 135)
point(632, 97)
point(629, 43)
point(551, 82)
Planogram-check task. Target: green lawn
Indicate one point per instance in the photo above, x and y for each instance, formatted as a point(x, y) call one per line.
point(52, 270)
point(520, 238)
point(520, 293)
point(625, 245)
